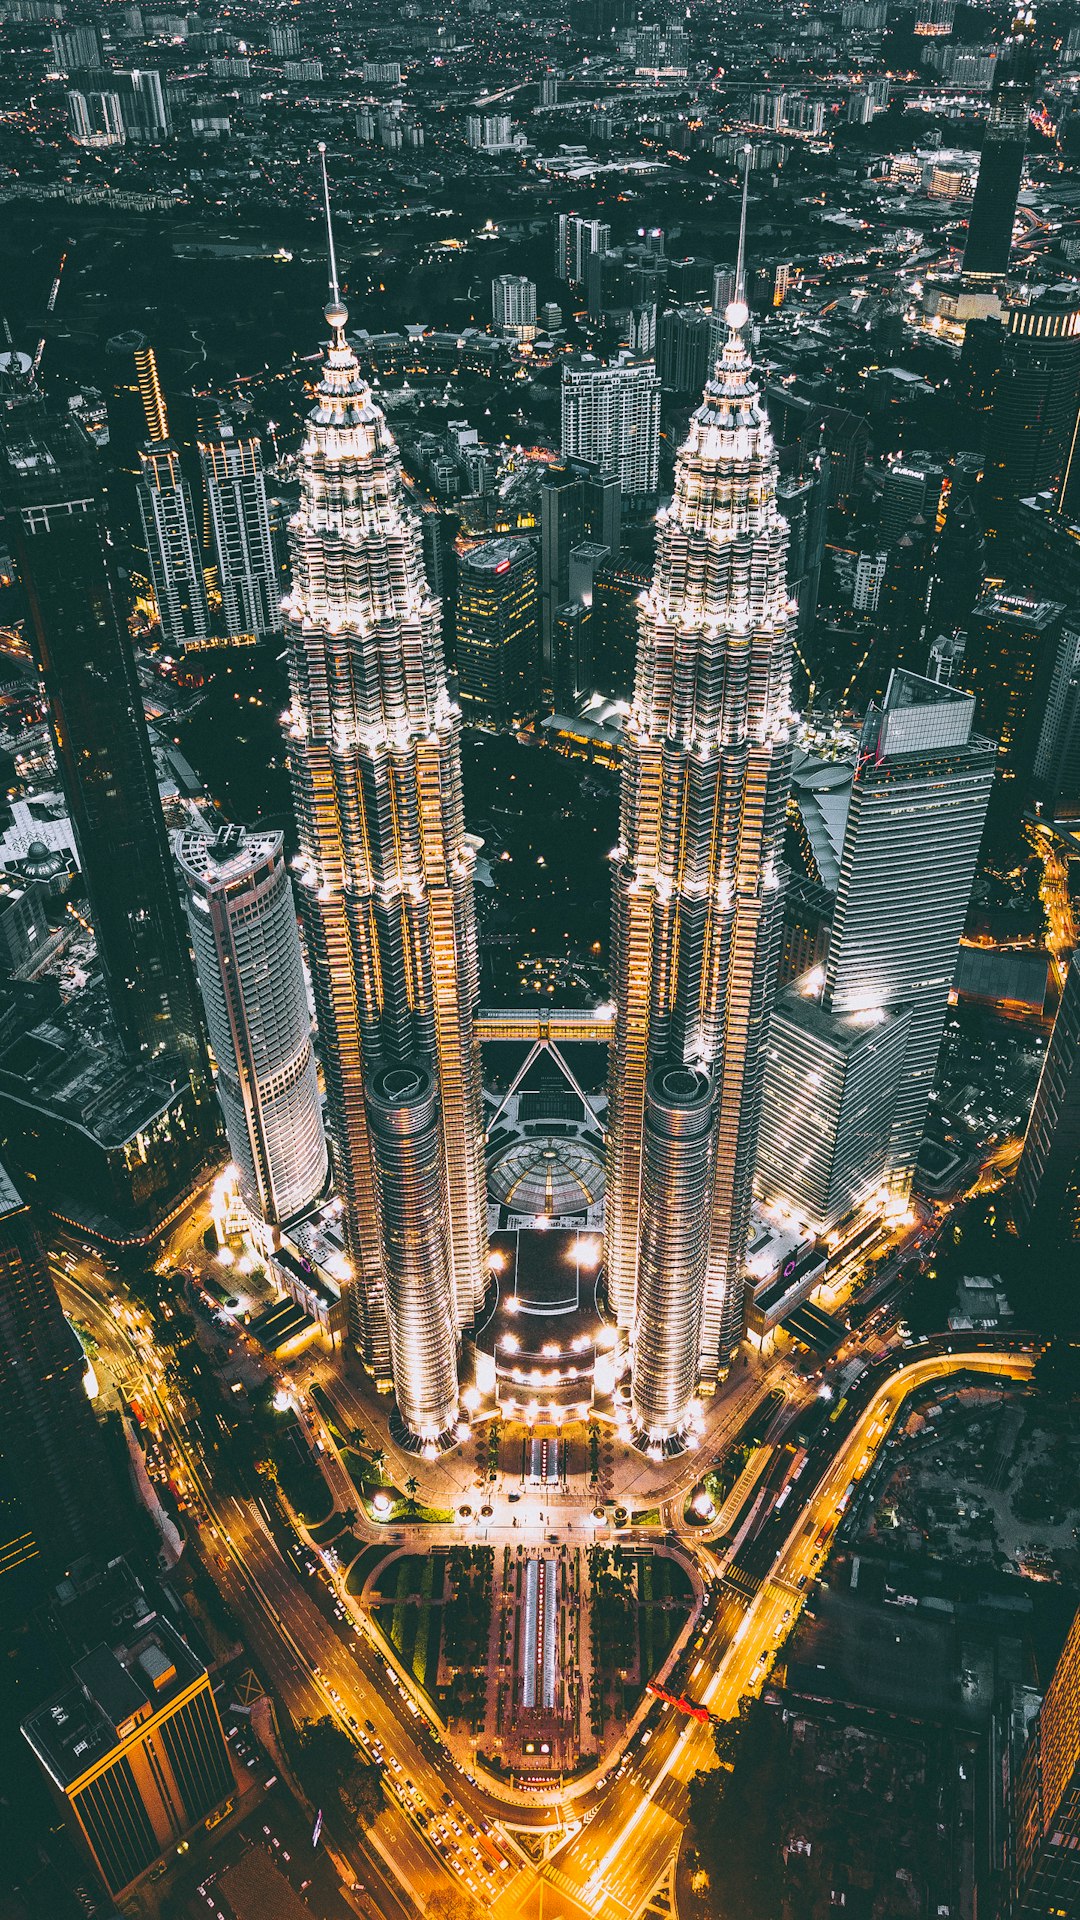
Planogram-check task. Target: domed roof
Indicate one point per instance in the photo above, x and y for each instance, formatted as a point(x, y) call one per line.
point(547, 1177)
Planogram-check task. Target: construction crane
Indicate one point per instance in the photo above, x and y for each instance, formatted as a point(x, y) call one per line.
point(50, 304)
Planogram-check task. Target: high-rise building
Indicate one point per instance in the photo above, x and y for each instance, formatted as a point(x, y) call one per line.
point(914, 824)
point(1001, 164)
point(1032, 428)
point(611, 417)
point(1047, 1194)
point(133, 1749)
point(617, 593)
point(498, 633)
point(562, 524)
point(1045, 1801)
point(489, 132)
point(803, 500)
point(57, 1473)
point(77, 48)
point(285, 42)
point(706, 761)
point(96, 116)
point(831, 1086)
point(168, 524)
point(685, 355)
point(135, 406)
point(52, 485)
point(575, 239)
point(513, 305)
point(1056, 765)
point(957, 563)
point(571, 655)
point(385, 866)
point(234, 483)
point(242, 919)
point(1012, 639)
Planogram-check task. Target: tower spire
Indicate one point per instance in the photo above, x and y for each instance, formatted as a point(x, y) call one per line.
point(737, 312)
point(335, 310)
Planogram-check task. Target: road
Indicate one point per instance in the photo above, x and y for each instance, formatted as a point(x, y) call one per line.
point(627, 1825)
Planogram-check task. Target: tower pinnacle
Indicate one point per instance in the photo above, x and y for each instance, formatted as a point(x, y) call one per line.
point(335, 310)
point(737, 313)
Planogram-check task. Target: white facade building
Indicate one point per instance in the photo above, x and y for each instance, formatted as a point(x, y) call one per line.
point(168, 525)
point(611, 418)
point(242, 919)
point(235, 486)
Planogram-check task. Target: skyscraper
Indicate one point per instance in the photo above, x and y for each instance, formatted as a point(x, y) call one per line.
point(1047, 1195)
point(914, 825)
point(1045, 1800)
point(575, 239)
point(1012, 639)
point(242, 920)
point(498, 633)
point(385, 867)
point(53, 488)
point(611, 417)
point(513, 305)
point(234, 483)
point(172, 547)
point(1032, 429)
point(54, 1458)
point(1056, 765)
point(1001, 164)
point(134, 1749)
point(696, 909)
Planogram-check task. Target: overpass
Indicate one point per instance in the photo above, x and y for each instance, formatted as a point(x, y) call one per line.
point(546, 1026)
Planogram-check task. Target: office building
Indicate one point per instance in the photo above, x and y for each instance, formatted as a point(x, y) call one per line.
point(1012, 640)
point(904, 496)
point(513, 305)
point(1046, 1199)
point(1001, 163)
point(831, 1087)
point(571, 655)
point(386, 867)
point(1056, 765)
point(172, 547)
point(234, 485)
point(562, 525)
point(498, 633)
point(803, 499)
point(1043, 552)
point(957, 564)
point(52, 486)
point(242, 920)
point(108, 1144)
point(1031, 431)
point(61, 1484)
point(678, 1149)
point(696, 877)
point(24, 929)
point(617, 593)
point(1045, 1801)
point(685, 348)
point(133, 1749)
point(611, 418)
point(575, 240)
point(914, 821)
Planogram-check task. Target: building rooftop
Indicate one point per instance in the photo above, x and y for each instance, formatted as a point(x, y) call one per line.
point(113, 1690)
point(800, 1003)
point(227, 857)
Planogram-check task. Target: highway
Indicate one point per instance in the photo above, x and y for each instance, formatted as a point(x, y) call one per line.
point(625, 1826)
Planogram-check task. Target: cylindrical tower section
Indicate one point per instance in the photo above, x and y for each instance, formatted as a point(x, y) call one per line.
point(676, 1190)
point(403, 1112)
point(242, 918)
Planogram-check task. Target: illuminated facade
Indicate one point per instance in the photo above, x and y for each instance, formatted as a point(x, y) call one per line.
point(696, 911)
point(235, 487)
point(247, 955)
point(498, 633)
point(172, 547)
point(914, 825)
point(386, 867)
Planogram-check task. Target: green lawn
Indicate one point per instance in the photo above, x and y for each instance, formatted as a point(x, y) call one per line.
point(412, 1618)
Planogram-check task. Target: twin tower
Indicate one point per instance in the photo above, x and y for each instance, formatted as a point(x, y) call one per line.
point(386, 892)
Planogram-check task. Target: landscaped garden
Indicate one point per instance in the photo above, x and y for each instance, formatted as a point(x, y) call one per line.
point(641, 1601)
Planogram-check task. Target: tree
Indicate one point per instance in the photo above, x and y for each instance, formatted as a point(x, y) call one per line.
point(449, 1904)
point(333, 1773)
point(412, 1487)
